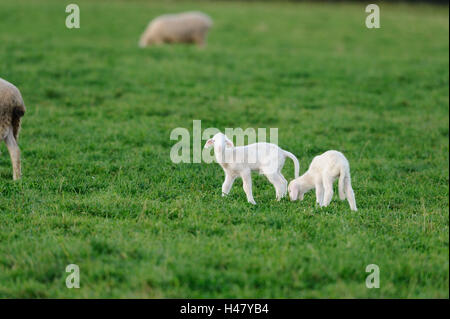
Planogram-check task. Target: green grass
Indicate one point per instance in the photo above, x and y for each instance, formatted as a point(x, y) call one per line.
point(99, 189)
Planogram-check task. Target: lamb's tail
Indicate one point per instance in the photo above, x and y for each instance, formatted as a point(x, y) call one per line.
point(17, 113)
point(296, 162)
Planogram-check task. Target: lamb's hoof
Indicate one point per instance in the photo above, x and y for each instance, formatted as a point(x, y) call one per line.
point(252, 202)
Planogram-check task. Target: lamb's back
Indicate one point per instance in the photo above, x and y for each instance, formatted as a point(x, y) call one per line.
point(330, 160)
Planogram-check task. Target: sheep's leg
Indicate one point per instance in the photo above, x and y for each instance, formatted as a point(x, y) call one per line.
point(284, 185)
point(157, 41)
point(328, 189)
point(200, 43)
point(227, 184)
point(14, 152)
point(199, 40)
point(273, 178)
point(280, 184)
point(350, 194)
point(319, 193)
point(247, 185)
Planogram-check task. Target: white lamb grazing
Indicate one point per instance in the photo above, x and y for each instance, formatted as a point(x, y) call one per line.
point(266, 158)
point(321, 174)
point(187, 27)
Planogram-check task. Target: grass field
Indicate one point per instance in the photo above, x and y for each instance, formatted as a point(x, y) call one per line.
point(99, 188)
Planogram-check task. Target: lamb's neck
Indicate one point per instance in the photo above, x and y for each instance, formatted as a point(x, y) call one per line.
point(307, 181)
point(219, 152)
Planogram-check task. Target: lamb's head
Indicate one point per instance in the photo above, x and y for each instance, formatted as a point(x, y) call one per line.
point(219, 140)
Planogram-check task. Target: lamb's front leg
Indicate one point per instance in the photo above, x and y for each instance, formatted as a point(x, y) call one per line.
point(247, 184)
point(328, 189)
point(319, 193)
point(227, 184)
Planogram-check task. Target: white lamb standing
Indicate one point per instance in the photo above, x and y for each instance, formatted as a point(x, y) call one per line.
point(266, 158)
point(321, 174)
point(186, 27)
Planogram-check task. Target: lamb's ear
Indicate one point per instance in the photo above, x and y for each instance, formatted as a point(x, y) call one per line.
point(209, 143)
point(229, 143)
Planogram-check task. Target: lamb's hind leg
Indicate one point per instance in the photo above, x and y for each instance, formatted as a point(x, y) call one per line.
point(247, 185)
point(350, 194)
point(14, 152)
point(285, 185)
point(280, 184)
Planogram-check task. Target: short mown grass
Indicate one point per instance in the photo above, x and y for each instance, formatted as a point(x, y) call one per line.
point(99, 189)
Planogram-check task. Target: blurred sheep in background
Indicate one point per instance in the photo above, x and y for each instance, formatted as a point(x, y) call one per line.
point(187, 27)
